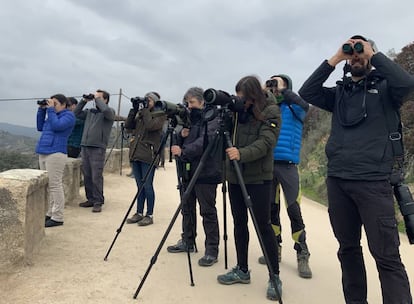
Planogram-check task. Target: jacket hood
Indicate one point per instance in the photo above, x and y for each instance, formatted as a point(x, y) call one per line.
point(287, 79)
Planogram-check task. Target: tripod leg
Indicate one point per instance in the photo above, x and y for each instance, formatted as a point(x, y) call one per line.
point(187, 208)
point(158, 250)
point(118, 231)
point(184, 198)
point(144, 180)
point(225, 237)
point(248, 204)
point(190, 268)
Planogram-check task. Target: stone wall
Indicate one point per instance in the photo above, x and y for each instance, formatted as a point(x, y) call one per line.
point(114, 159)
point(23, 193)
point(24, 202)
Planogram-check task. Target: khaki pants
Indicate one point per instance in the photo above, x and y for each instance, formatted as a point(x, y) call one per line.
point(54, 164)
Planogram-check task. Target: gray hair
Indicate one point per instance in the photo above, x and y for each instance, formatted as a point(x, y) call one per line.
point(195, 92)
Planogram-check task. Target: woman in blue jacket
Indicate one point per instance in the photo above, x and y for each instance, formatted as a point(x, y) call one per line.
point(55, 122)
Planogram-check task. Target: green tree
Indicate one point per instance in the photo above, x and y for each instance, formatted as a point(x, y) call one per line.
point(15, 160)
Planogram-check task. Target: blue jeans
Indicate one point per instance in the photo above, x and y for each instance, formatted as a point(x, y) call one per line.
point(140, 169)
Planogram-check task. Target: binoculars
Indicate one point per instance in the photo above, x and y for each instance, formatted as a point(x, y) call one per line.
point(347, 48)
point(42, 102)
point(88, 96)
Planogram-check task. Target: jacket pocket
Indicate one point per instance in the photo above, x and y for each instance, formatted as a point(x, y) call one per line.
point(47, 139)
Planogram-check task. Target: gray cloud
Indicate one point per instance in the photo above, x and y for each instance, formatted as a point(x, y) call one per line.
point(77, 46)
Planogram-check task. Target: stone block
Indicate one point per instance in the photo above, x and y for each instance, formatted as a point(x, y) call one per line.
point(23, 193)
point(71, 181)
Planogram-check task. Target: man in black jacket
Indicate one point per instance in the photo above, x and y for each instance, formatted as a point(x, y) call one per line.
point(189, 149)
point(360, 160)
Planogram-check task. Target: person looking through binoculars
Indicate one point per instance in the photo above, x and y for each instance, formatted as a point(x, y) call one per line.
point(95, 138)
point(75, 138)
point(56, 122)
point(253, 141)
point(286, 157)
point(146, 129)
point(191, 143)
point(361, 152)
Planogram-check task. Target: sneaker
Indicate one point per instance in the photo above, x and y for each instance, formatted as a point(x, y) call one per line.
point(279, 256)
point(207, 260)
point(147, 220)
point(271, 293)
point(236, 275)
point(303, 264)
point(180, 247)
point(97, 208)
point(86, 204)
point(53, 223)
point(135, 218)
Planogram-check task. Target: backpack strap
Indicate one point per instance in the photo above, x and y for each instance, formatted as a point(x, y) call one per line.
point(392, 116)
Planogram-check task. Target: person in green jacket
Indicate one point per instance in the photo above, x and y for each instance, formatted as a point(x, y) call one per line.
point(254, 135)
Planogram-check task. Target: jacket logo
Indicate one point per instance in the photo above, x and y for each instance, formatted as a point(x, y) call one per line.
point(373, 91)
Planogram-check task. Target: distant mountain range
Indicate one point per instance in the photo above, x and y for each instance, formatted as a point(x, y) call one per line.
point(19, 130)
point(20, 139)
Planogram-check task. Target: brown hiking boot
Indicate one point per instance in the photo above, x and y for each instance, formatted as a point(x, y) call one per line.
point(135, 218)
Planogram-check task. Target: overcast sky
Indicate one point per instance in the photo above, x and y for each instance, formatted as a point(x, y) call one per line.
point(77, 46)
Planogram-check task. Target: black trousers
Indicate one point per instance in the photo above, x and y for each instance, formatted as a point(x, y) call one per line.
point(260, 197)
point(206, 196)
point(287, 176)
point(74, 152)
point(353, 204)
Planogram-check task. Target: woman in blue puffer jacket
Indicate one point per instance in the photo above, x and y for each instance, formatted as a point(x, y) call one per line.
point(55, 122)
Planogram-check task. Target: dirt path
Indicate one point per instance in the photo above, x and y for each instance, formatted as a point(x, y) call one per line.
point(70, 268)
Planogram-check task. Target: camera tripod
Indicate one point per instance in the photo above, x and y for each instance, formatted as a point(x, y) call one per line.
point(123, 137)
point(144, 181)
point(221, 137)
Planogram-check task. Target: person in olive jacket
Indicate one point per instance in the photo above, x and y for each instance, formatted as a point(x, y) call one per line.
point(254, 135)
point(146, 132)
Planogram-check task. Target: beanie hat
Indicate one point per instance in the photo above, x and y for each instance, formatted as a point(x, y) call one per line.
point(286, 78)
point(153, 96)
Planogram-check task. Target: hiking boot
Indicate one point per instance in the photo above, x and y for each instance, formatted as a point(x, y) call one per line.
point(303, 264)
point(262, 260)
point(135, 218)
point(86, 204)
point(236, 275)
point(180, 247)
point(147, 220)
point(207, 260)
point(271, 293)
point(97, 208)
point(53, 223)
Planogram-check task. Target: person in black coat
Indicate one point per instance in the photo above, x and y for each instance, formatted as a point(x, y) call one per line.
point(360, 160)
point(189, 149)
